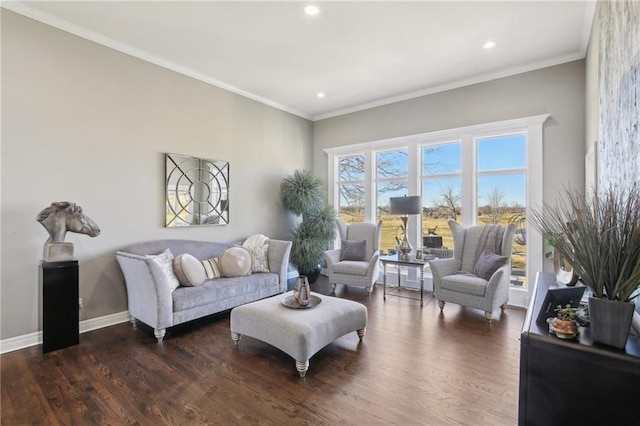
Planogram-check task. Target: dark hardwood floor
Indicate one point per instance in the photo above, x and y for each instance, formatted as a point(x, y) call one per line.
point(415, 367)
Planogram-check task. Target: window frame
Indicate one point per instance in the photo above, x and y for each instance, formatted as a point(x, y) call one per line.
point(532, 126)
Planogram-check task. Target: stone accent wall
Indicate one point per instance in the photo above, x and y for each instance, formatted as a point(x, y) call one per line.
point(619, 85)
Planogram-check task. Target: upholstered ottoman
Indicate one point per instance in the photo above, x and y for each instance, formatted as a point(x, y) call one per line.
point(299, 333)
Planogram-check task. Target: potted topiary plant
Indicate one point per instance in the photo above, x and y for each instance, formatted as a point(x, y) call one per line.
point(302, 194)
point(600, 237)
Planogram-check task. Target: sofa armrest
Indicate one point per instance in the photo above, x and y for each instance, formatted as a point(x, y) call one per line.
point(148, 300)
point(279, 252)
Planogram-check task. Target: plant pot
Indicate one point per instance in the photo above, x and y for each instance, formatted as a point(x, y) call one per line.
point(610, 321)
point(313, 275)
point(564, 329)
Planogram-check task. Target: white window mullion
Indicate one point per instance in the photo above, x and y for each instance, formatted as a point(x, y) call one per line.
point(468, 195)
point(369, 186)
point(332, 180)
point(415, 223)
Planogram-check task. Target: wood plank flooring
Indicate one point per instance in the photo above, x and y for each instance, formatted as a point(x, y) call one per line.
point(415, 367)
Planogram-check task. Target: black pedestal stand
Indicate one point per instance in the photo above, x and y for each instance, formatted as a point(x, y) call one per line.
point(60, 321)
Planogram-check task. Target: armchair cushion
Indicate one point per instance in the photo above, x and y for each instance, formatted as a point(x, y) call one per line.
point(465, 283)
point(352, 267)
point(488, 262)
point(353, 250)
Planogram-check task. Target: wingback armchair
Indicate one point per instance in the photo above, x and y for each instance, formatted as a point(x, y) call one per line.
point(356, 262)
point(478, 274)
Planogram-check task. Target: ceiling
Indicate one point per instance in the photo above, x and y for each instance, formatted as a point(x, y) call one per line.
point(359, 54)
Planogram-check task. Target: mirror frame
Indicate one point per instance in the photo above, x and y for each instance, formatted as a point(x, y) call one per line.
point(196, 190)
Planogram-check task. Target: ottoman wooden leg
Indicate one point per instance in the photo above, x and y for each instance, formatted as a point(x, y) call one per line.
point(302, 367)
point(236, 337)
point(361, 333)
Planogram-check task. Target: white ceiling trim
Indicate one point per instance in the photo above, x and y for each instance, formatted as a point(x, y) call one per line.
point(33, 13)
point(79, 31)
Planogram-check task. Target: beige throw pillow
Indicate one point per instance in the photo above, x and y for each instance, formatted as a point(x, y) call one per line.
point(212, 268)
point(235, 262)
point(189, 270)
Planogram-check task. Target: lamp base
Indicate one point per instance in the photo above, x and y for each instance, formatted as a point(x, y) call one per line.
point(404, 249)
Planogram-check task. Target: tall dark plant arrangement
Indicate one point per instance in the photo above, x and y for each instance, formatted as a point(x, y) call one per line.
point(302, 194)
point(599, 236)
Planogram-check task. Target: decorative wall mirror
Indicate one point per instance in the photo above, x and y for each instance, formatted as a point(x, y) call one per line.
point(197, 191)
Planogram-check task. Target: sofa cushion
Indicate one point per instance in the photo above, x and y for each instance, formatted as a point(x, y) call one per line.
point(235, 262)
point(212, 268)
point(189, 270)
point(353, 250)
point(161, 266)
point(465, 283)
point(215, 291)
point(488, 262)
point(259, 258)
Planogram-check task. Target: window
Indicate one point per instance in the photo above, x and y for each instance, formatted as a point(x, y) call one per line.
point(351, 188)
point(501, 181)
point(441, 182)
point(487, 173)
point(392, 174)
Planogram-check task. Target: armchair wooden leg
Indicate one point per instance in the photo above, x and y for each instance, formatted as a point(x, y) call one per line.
point(133, 321)
point(441, 304)
point(369, 289)
point(361, 333)
point(160, 334)
point(503, 307)
point(488, 316)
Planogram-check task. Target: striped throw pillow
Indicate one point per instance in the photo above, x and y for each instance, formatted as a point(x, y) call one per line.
point(212, 268)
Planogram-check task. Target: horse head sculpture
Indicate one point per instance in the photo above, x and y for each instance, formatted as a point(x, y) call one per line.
point(62, 217)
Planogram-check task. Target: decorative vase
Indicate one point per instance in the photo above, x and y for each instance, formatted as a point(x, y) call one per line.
point(610, 321)
point(302, 291)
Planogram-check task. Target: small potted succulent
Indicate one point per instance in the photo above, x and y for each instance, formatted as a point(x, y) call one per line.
point(564, 324)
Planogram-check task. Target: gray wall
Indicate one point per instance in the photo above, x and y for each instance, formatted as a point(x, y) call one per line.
point(557, 90)
point(84, 123)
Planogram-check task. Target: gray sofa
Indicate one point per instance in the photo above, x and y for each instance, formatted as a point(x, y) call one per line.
point(152, 302)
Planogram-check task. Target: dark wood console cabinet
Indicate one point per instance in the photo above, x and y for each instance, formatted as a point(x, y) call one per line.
point(575, 382)
point(60, 320)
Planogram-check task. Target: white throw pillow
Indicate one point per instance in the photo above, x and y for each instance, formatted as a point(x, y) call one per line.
point(256, 240)
point(235, 262)
point(161, 266)
point(189, 270)
point(259, 258)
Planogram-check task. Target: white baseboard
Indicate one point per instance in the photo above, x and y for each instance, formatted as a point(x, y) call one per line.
point(26, 340)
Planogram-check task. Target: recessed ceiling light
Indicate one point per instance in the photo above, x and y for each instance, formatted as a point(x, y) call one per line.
point(320, 94)
point(311, 9)
point(489, 45)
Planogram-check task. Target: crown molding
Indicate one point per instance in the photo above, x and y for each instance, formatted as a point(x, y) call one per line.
point(61, 24)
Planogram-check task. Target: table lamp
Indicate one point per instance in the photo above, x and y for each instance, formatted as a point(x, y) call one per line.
point(405, 206)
